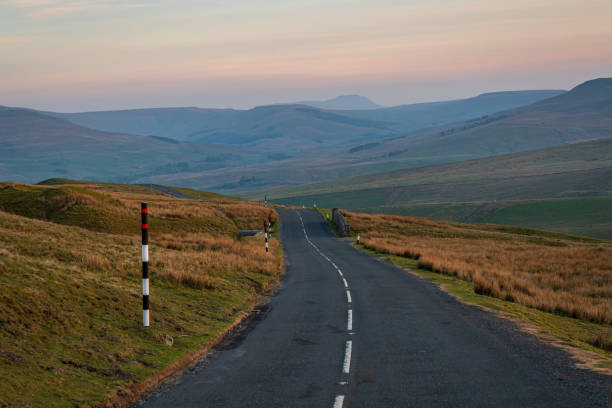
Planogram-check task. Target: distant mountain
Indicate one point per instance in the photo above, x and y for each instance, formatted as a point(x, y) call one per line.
point(296, 129)
point(236, 151)
point(406, 118)
point(343, 102)
point(277, 128)
point(34, 146)
point(578, 115)
point(583, 113)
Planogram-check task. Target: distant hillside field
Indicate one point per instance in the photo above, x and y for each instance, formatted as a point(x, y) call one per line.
point(70, 316)
point(590, 216)
point(577, 170)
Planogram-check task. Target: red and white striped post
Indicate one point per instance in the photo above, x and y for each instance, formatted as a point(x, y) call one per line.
point(266, 234)
point(144, 212)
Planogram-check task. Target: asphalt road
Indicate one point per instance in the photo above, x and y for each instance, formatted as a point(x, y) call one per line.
point(349, 330)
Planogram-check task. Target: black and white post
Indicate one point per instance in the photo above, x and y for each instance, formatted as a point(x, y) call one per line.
point(358, 238)
point(144, 212)
point(265, 201)
point(266, 234)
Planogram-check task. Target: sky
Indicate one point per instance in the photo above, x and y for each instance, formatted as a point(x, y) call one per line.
point(79, 55)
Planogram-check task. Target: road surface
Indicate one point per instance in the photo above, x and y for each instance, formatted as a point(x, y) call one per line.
point(348, 330)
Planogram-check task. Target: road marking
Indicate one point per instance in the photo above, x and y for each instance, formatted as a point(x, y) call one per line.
point(349, 321)
point(346, 367)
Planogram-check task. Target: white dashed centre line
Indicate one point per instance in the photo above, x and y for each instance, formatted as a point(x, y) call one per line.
point(349, 320)
point(346, 366)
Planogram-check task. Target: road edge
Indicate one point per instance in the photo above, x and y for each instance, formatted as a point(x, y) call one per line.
point(584, 359)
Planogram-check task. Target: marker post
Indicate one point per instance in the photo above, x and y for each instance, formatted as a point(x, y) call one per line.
point(144, 212)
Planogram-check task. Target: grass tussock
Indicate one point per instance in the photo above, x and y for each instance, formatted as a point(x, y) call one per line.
point(70, 286)
point(552, 272)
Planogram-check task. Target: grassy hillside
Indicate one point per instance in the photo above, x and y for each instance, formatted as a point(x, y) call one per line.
point(590, 216)
point(70, 279)
point(565, 276)
point(576, 170)
point(35, 146)
point(584, 113)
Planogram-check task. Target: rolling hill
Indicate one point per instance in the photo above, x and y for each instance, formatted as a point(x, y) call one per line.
point(34, 146)
point(287, 129)
point(405, 118)
point(581, 169)
point(583, 113)
point(283, 145)
point(297, 128)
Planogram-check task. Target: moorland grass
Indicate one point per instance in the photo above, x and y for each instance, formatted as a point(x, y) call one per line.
point(558, 274)
point(70, 287)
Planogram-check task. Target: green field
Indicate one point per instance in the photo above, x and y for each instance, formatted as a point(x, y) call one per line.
point(591, 216)
point(564, 189)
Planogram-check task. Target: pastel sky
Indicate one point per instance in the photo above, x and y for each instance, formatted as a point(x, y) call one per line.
point(76, 55)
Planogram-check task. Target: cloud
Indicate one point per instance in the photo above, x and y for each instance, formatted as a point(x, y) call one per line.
point(48, 9)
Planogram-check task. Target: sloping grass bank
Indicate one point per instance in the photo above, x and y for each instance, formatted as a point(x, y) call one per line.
point(70, 295)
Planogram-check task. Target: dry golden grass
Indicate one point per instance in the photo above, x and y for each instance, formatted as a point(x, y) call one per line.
point(201, 260)
point(550, 272)
point(70, 289)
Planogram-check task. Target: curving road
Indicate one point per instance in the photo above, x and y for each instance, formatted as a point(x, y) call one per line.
point(348, 330)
